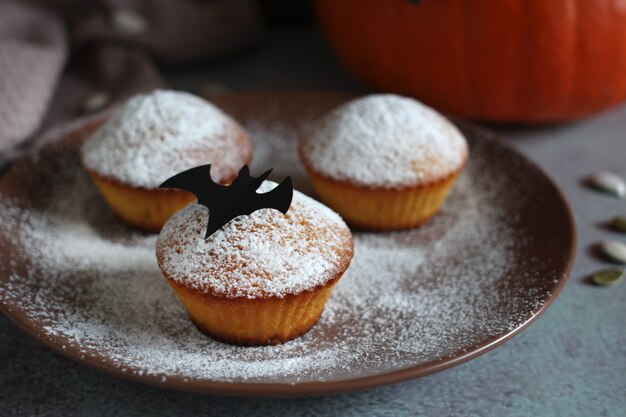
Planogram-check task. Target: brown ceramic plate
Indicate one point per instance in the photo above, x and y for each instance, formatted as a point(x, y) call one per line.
point(412, 302)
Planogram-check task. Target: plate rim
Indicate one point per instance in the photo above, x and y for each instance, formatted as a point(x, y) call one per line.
point(322, 387)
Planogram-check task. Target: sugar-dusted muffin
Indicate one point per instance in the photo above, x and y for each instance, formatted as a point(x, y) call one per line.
point(153, 137)
point(261, 279)
point(383, 161)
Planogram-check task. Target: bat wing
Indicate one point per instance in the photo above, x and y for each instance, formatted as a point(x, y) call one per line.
point(227, 202)
point(279, 198)
point(196, 180)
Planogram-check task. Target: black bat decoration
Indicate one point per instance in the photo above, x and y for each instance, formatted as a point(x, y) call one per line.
point(225, 202)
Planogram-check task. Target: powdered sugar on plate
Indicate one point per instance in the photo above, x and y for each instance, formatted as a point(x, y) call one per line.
point(154, 136)
point(267, 253)
point(408, 298)
point(385, 140)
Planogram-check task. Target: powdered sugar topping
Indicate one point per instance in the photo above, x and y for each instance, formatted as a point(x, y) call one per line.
point(264, 254)
point(385, 141)
point(408, 298)
point(154, 136)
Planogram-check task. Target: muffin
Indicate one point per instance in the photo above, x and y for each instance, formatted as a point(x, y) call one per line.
point(383, 161)
point(153, 137)
point(261, 279)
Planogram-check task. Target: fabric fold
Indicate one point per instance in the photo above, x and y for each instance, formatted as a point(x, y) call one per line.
point(65, 61)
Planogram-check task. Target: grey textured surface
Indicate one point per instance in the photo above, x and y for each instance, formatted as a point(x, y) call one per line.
point(570, 362)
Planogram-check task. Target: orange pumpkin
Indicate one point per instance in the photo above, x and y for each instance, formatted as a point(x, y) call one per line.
point(496, 60)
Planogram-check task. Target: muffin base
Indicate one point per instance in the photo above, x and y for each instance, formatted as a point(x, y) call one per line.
point(141, 208)
point(382, 209)
point(254, 322)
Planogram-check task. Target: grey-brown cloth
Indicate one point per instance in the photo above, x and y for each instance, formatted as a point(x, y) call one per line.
point(64, 60)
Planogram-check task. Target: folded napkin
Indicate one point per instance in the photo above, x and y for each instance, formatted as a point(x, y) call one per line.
point(67, 60)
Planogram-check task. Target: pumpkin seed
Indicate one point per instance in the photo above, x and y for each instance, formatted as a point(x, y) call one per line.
point(608, 276)
point(619, 224)
point(609, 182)
point(96, 102)
point(614, 250)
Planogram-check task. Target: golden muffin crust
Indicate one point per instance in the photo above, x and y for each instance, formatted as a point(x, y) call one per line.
point(384, 141)
point(265, 254)
point(155, 136)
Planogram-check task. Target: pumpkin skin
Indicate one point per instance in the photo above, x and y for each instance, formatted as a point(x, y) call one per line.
point(494, 60)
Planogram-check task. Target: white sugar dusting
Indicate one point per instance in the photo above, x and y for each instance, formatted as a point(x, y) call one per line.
point(264, 254)
point(157, 135)
point(408, 297)
point(385, 140)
